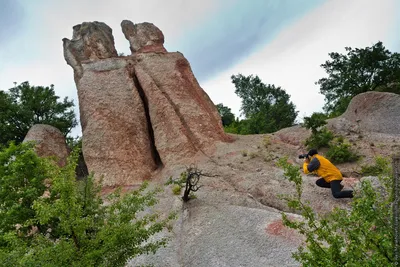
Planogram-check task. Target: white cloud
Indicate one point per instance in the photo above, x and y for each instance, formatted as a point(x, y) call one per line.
point(292, 60)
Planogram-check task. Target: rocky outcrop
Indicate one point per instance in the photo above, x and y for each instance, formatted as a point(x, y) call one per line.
point(183, 117)
point(49, 142)
point(141, 112)
point(143, 37)
point(376, 112)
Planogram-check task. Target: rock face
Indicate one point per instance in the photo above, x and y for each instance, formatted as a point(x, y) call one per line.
point(377, 112)
point(50, 142)
point(141, 112)
point(90, 41)
point(143, 37)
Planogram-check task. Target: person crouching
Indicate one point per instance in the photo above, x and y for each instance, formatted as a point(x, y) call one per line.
point(331, 176)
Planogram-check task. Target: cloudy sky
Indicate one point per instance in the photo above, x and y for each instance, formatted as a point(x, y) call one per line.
point(282, 41)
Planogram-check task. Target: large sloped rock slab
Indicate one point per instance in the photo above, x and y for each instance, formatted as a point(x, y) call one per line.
point(49, 142)
point(226, 235)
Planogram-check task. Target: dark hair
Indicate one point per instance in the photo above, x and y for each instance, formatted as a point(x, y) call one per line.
point(312, 152)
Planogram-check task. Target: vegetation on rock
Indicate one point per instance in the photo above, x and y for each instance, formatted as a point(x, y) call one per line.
point(359, 236)
point(188, 180)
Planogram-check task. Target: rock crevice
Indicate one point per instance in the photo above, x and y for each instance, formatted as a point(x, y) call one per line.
point(139, 112)
point(154, 153)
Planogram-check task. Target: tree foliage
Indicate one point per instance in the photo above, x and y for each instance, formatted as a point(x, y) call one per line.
point(226, 114)
point(266, 108)
point(359, 70)
point(25, 105)
point(359, 236)
point(50, 219)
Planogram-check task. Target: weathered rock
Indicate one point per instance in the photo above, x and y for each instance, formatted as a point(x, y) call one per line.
point(143, 37)
point(90, 41)
point(137, 109)
point(183, 117)
point(50, 142)
point(377, 112)
point(295, 135)
point(116, 141)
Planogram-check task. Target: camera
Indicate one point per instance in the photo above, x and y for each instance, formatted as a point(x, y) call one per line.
point(302, 156)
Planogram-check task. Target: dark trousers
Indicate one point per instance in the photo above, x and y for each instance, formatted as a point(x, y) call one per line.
point(336, 188)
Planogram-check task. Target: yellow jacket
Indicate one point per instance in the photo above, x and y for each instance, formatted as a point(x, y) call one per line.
point(323, 168)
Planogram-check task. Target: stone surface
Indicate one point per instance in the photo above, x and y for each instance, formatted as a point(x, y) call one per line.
point(90, 41)
point(143, 37)
point(138, 112)
point(50, 142)
point(116, 141)
point(183, 117)
point(294, 135)
point(377, 112)
point(226, 235)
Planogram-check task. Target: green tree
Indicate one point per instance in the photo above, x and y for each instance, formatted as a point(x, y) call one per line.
point(226, 114)
point(48, 218)
point(25, 105)
point(266, 108)
point(359, 70)
point(361, 235)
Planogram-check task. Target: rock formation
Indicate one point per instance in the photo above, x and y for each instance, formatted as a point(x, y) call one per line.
point(139, 112)
point(50, 142)
point(370, 112)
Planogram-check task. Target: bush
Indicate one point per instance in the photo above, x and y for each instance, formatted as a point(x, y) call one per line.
point(340, 153)
point(381, 165)
point(359, 236)
point(189, 180)
point(51, 219)
point(176, 189)
point(315, 121)
point(319, 139)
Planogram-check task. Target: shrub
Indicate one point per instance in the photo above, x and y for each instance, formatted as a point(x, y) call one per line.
point(319, 139)
point(64, 222)
point(315, 121)
point(381, 165)
point(340, 153)
point(189, 180)
point(176, 189)
point(359, 236)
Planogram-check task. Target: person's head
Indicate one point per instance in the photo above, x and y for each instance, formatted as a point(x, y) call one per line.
point(312, 152)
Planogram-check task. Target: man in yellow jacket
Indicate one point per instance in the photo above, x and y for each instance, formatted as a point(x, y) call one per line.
point(331, 176)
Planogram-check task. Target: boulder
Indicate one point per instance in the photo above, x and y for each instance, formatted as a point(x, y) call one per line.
point(49, 142)
point(377, 112)
point(143, 37)
point(90, 41)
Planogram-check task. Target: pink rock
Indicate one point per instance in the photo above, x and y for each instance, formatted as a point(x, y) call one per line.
point(370, 112)
point(143, 37)
point(49, 142)
point(141, 112)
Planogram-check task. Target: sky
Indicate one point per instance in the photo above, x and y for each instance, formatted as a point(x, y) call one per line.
point(284, 42)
